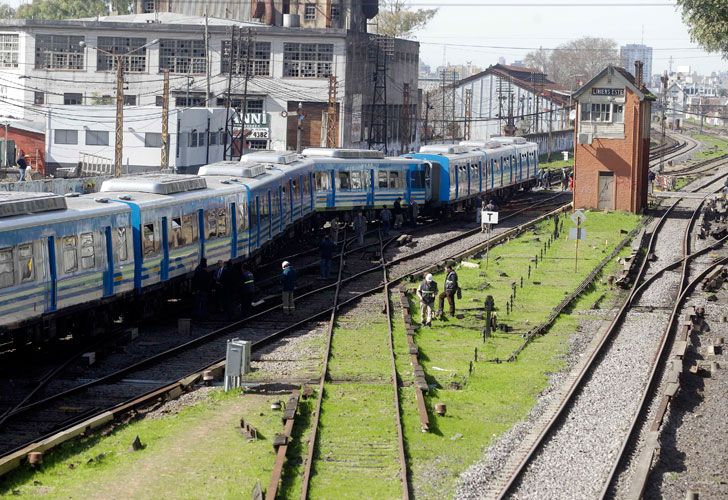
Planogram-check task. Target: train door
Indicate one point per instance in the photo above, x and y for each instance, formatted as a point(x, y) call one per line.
point(370, 186)
point(256, 220)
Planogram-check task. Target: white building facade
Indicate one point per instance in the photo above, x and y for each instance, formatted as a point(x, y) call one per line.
point(58, 63)
point(86, 134)
point(632, 52)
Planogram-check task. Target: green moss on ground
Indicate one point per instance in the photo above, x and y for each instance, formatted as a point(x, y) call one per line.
point(556, 164)
point(196, 453)
point(484, 404)
point(714, 147)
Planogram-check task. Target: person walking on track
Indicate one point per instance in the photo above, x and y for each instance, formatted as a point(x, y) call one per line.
point(451, 289)
point(360, 227)
point(327, 254)
point(386, 217)
point(288, 278)
point(427, 291)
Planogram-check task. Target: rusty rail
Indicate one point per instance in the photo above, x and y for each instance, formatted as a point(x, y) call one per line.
point(289, 419)
point(418, 371)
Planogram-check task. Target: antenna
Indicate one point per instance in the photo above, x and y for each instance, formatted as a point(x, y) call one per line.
point(643, 35)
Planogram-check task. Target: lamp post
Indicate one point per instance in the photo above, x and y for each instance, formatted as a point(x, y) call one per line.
point(119, 132)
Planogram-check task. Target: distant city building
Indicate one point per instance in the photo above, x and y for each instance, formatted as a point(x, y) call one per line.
point(632, 52)
point(44, 64)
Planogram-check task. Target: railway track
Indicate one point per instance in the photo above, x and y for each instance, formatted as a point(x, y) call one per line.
point(356, 437)
point(66, 404)
point(576, 452)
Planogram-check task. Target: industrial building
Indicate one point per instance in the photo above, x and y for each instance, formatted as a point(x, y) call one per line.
point(329, 72)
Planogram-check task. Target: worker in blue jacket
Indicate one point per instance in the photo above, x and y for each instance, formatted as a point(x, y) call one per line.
point(288, 279)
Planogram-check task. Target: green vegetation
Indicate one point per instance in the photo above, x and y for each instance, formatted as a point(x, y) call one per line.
point(557, 164)
point(196, 452)
point(714, 147)
point(484, 404)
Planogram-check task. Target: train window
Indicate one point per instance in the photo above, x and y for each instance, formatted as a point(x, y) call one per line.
point(25, 263)
point(222, 222)
point(189, 229)
point(418, 179)
point(275, 202)
point(264, 208)
point(382, 179)
point(88, 260)
point(296, 191)
point(150, 245)
point(394, 180)
point(7, 268)
point(242, 217)
point(284, 197)
point(306, 185)
point(342, 180)
point(356, 180)
point(211, 223)
point(176, 239)
point(70, 254)
point(122, 250)
point(323, 181)
point(254, 210)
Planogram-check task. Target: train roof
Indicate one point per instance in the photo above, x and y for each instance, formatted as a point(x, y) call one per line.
point(22, 203)
point(346, 154)
point(271, 156)
point(155, 183)
point(509, 139)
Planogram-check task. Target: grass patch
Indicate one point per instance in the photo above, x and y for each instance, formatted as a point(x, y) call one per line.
point(196, 452)
point(714, 147)
point(557, 164)
point(485, 403)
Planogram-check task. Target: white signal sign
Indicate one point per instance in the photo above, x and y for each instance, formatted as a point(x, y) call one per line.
point(489, 217)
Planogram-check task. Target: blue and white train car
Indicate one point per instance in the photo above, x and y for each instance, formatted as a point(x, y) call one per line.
point(277, 190)
point(459, 173)
point(352, 178)
point(58, 253)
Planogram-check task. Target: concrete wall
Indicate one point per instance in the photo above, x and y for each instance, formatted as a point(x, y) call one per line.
point(58, 186)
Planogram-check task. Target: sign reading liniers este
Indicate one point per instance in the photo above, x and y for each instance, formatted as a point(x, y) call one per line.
point(607, 92)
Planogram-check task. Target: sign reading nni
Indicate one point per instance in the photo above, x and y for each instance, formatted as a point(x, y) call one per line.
point(489, 217)
point(607, 91)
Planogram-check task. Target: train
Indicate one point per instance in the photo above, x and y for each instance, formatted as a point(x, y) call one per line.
point(72, 265)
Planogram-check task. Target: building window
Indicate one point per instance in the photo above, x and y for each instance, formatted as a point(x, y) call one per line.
point(65, 136)
point(130, 100)
point(253, 105)
point(308, 60)
point(192, 139)
point(259, 64)
point(193, 101)
point(182, 56)
point(152, 140)
point(8, 51)
point(38, 98)
point(58, 52)
point(134, 63)
point(617, 113)
point(159, 100)
point(309, 13)
point(335, 12)
point(71, 98)
point(148, 7)
point(97, 138)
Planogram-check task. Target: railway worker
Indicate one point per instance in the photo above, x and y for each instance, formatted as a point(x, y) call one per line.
point(651, 181)
point(288, 278)
point(201, 285)
point(334, 230)
point(360, 227)
point(327, 254)
point(22, 164)
point(564, 179)
point(398, 215)
point(479, 211)
point(544, 178)
point(217, 284)
point(427, 291)
point(248, 291)
point(571, 183)
point(229, 286)
point(414, 211)
point(386, 217)
point(451, 289)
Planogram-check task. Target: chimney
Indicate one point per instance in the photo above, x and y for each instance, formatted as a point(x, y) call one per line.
point(638, 73)
point(270, 13)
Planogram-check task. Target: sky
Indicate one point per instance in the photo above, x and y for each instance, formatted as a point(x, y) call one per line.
point(483, 33)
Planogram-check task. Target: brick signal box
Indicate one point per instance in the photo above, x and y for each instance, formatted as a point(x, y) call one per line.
point(612, 143)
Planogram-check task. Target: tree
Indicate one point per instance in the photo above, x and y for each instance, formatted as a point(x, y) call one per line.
point(582, 58)
point(6, 11)
point(708, 23)
point(397, 20)
point(71, 9)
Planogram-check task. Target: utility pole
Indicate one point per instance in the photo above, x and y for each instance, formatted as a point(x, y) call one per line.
point(406, 118)
point(119, 135)
point(551, 126)
point(510, 128)
point(468, 113)
point(227, 101)
point(428, 106)
point(165, 120)
point(663, 79)
point(444, 126)
point(248, 51)
point(379, 120)
point(207, 63)
point(331, 115)
point(299, 126)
